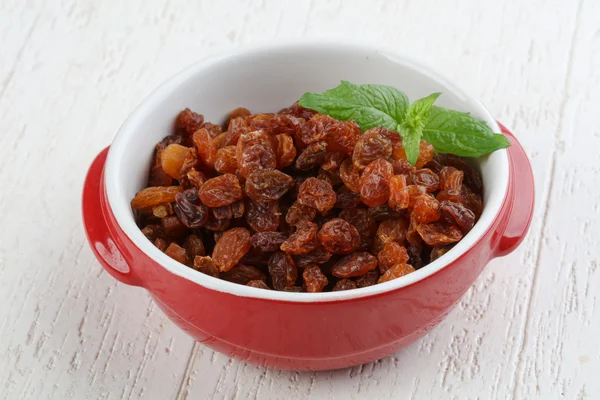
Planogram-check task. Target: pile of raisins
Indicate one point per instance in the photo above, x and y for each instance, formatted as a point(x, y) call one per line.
point(300, 202)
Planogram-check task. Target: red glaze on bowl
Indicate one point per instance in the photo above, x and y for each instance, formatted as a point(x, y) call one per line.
point(301, 331)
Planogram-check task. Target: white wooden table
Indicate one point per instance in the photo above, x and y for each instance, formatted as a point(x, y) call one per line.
point(71, 71)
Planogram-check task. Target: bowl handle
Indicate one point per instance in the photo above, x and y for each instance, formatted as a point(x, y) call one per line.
point(518, 211)
point(106, 246)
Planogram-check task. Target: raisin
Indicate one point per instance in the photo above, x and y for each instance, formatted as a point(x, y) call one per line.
point(274, 124)
point(437, 252)
point(311, 156)
point(368, 279)
point(350, 175)
point(220, 191)
point(188, 122)
point(282, 270)
point(286, 151)
point(205, 147)
point(375, 183)
point(154, 196)
point(303, 241)
point(412, 236)
point(263, 216)
point(214, 130)
point(438, 234)
point(458, 214)
point(396, 272)
point(356, 264)
point(225, 160)
point(339, 237)
point(392, 230)
point(258, 284)
point(173, 228)
point(267, 242)
point(190, 211)
point(217, 225)
point(345, 198)
point(161, 244)
point(450, 195)
point(399, 197)
point(365, 226)
point(414, 191)
point(414, 254)
point(152, 232)
point(391, 254)
point(298, 111)
point(472, 201)
point(371, 146)
point(177, 253)
point(471, 176)
point(317, 193)
point(314, 280)
point(162, 210)
point(332, 161)
point(402, 167)
point(451, 178)
point(317, 256)
point(222, 140)
point(341, 136)
point(343, 284)
point(381, 213)
point(331, 176)
point(299, 212)
point(223, 212)
point(254, 151)
point(426, 178)
point(267, 184)
point(426, 209)
point(194, 247)
point(206, 265)
point(238, 208)
point(196, 178)
point(231, 248)
point(236, 128)
point(190, 162)
point(240, 112)
point(243, 274)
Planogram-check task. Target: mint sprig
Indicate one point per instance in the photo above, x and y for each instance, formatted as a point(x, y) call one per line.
point(449, 131)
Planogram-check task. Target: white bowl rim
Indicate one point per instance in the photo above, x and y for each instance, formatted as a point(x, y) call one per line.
point(120, 208)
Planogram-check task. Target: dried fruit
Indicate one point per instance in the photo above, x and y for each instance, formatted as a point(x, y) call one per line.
point(177, 253)
point(314, 280)
point(368, 279)
point(263, 216)
point(381, 213)
point(399, 196)
point(154, 196)
point(258, 284)
point(426, 178)
point(189, 210)
point(196, 178)
point(366, 227)
point(173, 228)
point(317, 193)
point(396, 272)
point(392, 230)
point(204, 146)
point(231, 248)
point(254, 151)
point(282, 270)
point(194, 247)
point(317, 256)
point(371, 146)
point(286, 151)
point(437, 252)
point(298, 111)
point(303, 241)
point(356, 264)
point(243, 274)
point(161, 244)
point(343, 284)
point(450, 178)
point(299, 212)
point(391, 254)
point(339, 237)
point(375, 183)
point(458, 214)
point(206, 265)
point(311, 156)
point(267, 184)
point(346, 198)
point(188, 122)
point(220, 191)
point(226, 160)
point(267, 242)
point(426, 209)
point(350, 175)
point(332, 161)
point(438, 234)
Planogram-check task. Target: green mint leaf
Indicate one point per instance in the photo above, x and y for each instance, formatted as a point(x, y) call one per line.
point(412, 129)
point(368, 105)
point(460, 134)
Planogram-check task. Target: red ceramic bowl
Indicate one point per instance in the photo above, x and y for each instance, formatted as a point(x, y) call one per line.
point(301, 331)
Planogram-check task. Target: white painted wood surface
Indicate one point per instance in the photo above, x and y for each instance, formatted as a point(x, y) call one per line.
point(70, 72)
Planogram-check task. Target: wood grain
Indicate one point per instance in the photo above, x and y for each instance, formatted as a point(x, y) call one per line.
point(71, 71)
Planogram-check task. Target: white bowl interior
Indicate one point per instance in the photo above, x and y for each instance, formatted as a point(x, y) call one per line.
point(266, 79)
